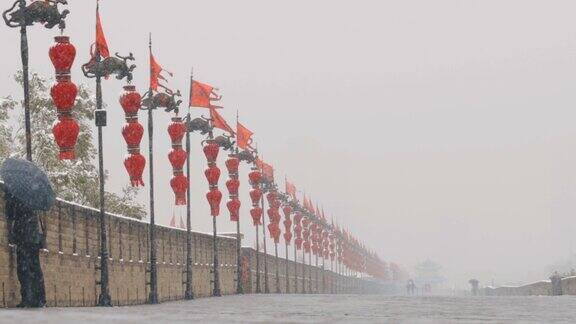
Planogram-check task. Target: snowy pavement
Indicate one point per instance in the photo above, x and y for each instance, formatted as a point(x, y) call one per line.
point(317, 309)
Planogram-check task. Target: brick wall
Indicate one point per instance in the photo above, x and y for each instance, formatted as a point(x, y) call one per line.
point(72, 254)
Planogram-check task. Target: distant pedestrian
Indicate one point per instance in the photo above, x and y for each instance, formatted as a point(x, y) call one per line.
point(23, 229)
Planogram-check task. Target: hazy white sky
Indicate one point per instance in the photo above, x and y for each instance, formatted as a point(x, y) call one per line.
point(437, 129)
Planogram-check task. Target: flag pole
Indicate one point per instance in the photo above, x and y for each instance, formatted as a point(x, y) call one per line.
point(239, 287)
point(153, 297)
point(104, 298)
point(189, 293)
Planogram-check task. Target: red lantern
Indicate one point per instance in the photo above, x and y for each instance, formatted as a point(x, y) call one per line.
point(176, 130)
point(233, 185)
point(255, 195)
point(288, 237)
point(234, 209)
point(287, 224)
point(255, 177)
point(211, 150)
point(132, 133)
point(134, 164)
point(256, 214)
point(177, 158)
point(214, 197)
point(62, 54)
point(63, 94)
point(287, 211)
point(179, 184)
point(212, 174)
point(66, 133)
point(298, 242)
point(232, 165)
point(130, 101)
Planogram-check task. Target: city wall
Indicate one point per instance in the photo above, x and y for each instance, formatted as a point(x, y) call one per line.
point(540, 288)
point(71, 258)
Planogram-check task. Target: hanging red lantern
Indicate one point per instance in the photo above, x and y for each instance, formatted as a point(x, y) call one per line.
point(130, 101)
point(214, 198)
point(132, 133)
point(211, 150)
point(288, 237)
point(179, 184)
point(287, 211)
point(287, 224)
point(212, 174)
point(177, 158)
point(66, 133)
point(233, 185)
point(232, 165)
point(256, 213)
point(234, 209)
point(176, 130)
point(134, 164)
point(62, 54)
point(255, 195)
point(255, 178)
point(63, 94)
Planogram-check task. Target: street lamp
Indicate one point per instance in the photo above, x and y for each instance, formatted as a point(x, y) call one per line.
point(42, 12)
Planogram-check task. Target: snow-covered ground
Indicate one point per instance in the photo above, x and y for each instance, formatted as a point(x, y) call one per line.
point(317, 309)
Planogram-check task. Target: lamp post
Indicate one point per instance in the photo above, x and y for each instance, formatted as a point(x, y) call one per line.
point(98, 68)
point(152, 101)
point(37, 12)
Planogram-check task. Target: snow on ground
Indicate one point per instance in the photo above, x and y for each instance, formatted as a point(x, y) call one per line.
point(317, 309)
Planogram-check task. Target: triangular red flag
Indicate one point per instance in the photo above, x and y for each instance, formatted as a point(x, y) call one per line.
point(155, 74)
point(101, 44)
point(219, 122)
point(202, 95)
point(243, 137)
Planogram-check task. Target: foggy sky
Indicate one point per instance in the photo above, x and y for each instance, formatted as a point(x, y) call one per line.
point(432, 129)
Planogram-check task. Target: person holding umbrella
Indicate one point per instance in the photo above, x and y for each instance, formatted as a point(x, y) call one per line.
point(27, 189)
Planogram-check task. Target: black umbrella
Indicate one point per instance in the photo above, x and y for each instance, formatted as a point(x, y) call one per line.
point(25, 181)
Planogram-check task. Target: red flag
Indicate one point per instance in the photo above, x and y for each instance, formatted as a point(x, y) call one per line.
point(101, 44)
point(244, 136)
point(202, 95)
point(219, 122)
point(291, 189)
point(267, 169)
point(156, 74)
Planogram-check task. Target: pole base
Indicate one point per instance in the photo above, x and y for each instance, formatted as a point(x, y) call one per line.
point(188, 295)
point(104, 300)
point(153, 299)
point(216, 293)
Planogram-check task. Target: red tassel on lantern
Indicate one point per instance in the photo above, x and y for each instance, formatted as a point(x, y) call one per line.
point(179, 185)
